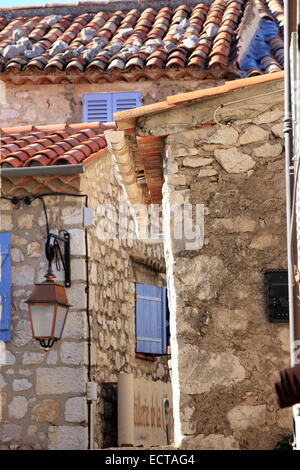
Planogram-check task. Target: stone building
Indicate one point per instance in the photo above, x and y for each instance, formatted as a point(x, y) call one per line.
point(223, 149)
point(43, 394)
point(54, 61)
point(52, 57)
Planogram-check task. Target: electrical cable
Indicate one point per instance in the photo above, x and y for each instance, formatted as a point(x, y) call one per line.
point(45, 213)
point(27, 199)
point(293, 212)
point(59, 259)
point(240, 101)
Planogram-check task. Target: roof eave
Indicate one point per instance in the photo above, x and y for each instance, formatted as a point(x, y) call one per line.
point(128, 119)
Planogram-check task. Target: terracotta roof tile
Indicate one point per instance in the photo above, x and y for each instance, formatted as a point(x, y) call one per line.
point(51, 145)
point(181, 98)
point(108, 41)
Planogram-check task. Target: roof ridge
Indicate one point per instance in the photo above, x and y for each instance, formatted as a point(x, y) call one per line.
point(95, 6)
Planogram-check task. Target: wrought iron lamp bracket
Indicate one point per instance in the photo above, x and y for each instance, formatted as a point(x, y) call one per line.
point(53, 250)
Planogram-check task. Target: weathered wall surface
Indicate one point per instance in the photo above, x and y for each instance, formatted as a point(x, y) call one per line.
point(52, 104)
point(112, 293)
point(43, 394)
point(226, 354)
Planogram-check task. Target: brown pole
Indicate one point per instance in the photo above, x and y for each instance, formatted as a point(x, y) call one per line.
point(293, 16)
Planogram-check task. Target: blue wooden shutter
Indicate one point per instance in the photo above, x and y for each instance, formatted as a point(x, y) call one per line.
point(124, 101)
point(151, 312)
point(100, 107)
point(5, 283)
point(97, 107)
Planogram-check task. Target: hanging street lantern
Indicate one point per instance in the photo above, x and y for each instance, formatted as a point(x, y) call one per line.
point(48, 309)
point(48, 304)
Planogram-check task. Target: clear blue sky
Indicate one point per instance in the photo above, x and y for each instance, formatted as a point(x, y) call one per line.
point(19, 3)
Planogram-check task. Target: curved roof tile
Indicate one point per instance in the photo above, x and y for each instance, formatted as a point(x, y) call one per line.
point(51, 145)
point(110, 41)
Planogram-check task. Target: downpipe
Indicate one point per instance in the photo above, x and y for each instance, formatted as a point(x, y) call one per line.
point(290, 7)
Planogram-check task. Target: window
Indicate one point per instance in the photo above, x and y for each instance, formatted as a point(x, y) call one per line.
point(152, 320)
point(5, 282)
point(101, 106)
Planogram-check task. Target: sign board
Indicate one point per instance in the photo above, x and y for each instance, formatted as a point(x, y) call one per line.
point(145, 412)
point(277, 296)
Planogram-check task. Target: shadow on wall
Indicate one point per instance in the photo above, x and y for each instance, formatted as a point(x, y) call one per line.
point(109, 397)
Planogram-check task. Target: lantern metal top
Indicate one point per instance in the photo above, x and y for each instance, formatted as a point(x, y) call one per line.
point(48, 292)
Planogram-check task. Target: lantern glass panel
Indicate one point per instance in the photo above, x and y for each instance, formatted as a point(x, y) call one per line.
point(61, 314)
point(42, 319)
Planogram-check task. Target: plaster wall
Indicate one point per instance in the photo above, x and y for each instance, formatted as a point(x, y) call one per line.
point(30, 104)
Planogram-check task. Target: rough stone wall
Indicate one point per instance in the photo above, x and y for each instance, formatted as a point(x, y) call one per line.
point(43, 400)
point(227, 355)
point(43, 394)
point(52, 104)
point(113, 272)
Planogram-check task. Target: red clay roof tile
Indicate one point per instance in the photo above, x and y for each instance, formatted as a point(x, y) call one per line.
point(51, 145)
point(39, 160)
point(66, 160)
point(110, 40)
point(12, 162)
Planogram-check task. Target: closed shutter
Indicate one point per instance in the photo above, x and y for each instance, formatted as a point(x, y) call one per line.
point(100, 107)
point(124, 101)
point(5, 283)
point(97, 108)
point(151, 319)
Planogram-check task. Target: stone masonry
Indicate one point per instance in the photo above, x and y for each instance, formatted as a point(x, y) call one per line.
point(28, 104)
point(39, 388)
point(112, 291)
point(43, 394)
point(225, 354)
